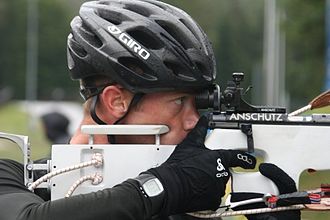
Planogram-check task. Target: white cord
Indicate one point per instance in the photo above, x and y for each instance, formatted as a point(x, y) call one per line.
point(301, 110)
point(232, 205)
point(97, 161)
point(219, 214)
point(96, 179)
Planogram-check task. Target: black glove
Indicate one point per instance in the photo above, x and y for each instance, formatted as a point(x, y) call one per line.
point(194, 177)
point(284, 183)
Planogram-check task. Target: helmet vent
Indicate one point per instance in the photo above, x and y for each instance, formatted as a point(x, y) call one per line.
point(78, 50)
point(159, 5)
point(90, 37)
point(96, 41)
point(113, 17)
point(173, 31)
point(138, 9)
point(189, 27)
point(145, 39)
point(137, 67)
point(200, 67)
point(174, 68)
point(178, 71)
point(103, 2)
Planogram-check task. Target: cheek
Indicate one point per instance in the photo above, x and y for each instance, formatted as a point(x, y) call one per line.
point(176, 133)
point(157, 114)
point(142, 114)
point(168, 114)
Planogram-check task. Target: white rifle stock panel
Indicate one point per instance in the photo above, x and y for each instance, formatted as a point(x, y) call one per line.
point(293, 148)
point(120, 163)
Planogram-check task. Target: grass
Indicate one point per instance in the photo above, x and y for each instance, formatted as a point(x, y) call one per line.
point(14, 120)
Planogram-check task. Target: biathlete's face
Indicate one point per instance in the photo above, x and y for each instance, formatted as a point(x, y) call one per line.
point(174, 109)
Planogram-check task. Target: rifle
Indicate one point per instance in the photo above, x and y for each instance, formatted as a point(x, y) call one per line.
point(294, 143)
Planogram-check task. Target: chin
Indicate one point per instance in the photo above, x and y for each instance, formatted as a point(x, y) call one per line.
point(123, 139)
point(164, 139)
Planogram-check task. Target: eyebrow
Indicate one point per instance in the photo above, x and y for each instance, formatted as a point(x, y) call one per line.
point(176, 96)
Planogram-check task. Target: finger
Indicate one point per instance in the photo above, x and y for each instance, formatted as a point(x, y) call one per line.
point(282, 180)
point(196, 137)
point(238, 158)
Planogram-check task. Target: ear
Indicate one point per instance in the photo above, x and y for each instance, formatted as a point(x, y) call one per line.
point(115, 101)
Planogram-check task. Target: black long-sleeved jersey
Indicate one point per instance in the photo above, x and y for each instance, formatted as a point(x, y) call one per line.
point(123, 201)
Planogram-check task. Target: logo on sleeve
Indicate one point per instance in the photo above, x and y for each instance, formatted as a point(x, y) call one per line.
point(222, 171)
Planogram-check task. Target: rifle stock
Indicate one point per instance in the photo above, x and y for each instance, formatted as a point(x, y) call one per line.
point(294, 144)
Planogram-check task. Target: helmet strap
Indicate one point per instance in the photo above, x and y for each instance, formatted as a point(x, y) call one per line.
point(93, 112)
point(111, 138)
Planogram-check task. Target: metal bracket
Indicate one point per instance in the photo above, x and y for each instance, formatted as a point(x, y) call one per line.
point(29, 166)
point(247, 130)
point(24, 144)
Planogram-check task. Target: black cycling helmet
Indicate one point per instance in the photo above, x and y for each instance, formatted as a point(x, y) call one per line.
point(109, 36)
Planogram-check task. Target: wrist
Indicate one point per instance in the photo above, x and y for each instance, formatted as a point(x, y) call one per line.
point(152, 189)
point(177, 192)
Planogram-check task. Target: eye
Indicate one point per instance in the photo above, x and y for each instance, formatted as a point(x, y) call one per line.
point(179, 101)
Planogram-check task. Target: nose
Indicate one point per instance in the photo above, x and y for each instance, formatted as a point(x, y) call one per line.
point(190, 119)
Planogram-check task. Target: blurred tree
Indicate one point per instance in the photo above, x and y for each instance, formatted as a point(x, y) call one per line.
point(305, 42)
point(240, 47)
point(54, 18)
point(13, 44)
point(53, 71)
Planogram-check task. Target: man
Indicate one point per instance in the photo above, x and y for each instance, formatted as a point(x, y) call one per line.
point(56, 127)
point(138, 62)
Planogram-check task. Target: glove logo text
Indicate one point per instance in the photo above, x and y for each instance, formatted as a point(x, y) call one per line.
point(244, 158)
point(220, 168)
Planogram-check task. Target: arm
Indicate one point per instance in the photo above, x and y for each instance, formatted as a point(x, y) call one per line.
point(118, 202)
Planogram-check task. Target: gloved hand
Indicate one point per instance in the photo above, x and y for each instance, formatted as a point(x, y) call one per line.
point(194, 177)
point(284, 183)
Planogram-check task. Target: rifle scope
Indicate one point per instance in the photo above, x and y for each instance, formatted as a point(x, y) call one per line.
point(209, 98)
point(213, 98)
point(230, 99)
